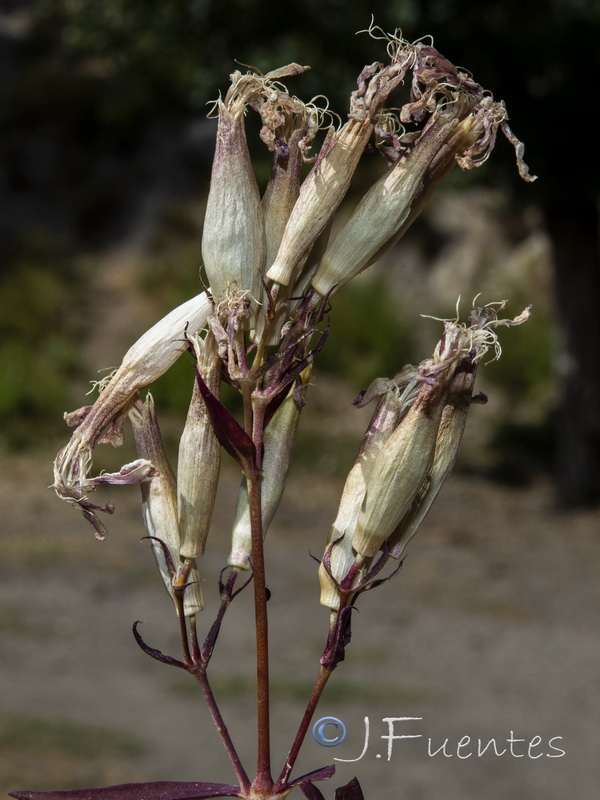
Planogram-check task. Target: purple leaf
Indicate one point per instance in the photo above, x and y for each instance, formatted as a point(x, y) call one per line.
point(228, 430)
point(351, 791)
point(322, 774)
point(153, 653)
point(311, 791)
point(305, 782)
point(166, 553)
point(162, 790)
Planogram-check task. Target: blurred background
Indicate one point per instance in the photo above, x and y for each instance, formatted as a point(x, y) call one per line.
point(105, 156)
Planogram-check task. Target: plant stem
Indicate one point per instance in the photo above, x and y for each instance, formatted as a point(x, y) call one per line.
point(263, 782)
point(200, 659)
point(248, 416)
point(320, 683)
point(202, 678)
point(183, 632)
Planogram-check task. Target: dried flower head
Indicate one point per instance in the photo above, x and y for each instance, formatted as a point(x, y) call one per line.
point(404, 465)
point(145, 361)
point(409, 448)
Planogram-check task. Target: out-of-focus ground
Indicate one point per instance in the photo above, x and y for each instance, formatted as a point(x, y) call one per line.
point(490, 630)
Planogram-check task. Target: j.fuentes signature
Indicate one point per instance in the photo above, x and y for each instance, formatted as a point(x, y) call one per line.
point(331, 731)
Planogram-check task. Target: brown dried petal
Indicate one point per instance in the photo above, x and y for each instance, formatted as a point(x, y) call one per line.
point(136, 471)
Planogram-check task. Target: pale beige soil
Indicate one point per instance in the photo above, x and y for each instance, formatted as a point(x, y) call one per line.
point(491, 627)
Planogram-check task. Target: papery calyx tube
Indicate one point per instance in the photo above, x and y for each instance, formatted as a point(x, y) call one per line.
point(461, 121)
point(326, 185)
point(233, 238)
point(403, 462)
point(159, 509)
point(289, 129)
point(199, 460)
point(340, 556)
point(145, 361)
point(234, 242)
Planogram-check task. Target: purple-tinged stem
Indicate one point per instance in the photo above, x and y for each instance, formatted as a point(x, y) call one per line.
point(320, 683)
point(196, 655)
point(187, 656)
point(183, 629)
point(263, 783)
point(332, 654)
point(202, 678)
point(197, 661)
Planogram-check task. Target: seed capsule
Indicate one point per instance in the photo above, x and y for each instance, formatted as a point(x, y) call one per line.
point(380, 215)
point(233, 239)
point(326, 185)
point(159, 503)
point(199, 462)
point(450, 432)
point(399, 471)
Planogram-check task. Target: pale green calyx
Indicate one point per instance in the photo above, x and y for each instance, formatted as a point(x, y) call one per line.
point(159, 506)
point(418, 455)
point(199, 461)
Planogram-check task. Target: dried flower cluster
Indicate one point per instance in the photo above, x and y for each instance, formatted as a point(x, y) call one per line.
point(272, 272)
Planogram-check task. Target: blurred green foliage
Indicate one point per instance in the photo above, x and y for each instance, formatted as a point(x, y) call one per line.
point(520, 440)
point(182, 51)
point(39, 347)
point(525, 373)
point(371, 333)
point(60, 736)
